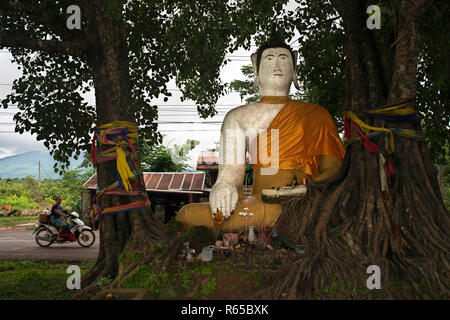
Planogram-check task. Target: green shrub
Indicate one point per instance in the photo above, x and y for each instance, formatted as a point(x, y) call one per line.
point(173, 226)
point(19, 202)
point(199, 234)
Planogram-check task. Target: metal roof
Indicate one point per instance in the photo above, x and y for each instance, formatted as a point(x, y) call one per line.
point(208, 157)
point(208, 160)
point(177, 182)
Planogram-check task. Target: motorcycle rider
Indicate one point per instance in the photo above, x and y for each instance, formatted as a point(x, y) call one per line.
point(57, 218)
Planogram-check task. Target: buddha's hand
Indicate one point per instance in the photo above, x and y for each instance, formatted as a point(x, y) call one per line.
point(224, 197)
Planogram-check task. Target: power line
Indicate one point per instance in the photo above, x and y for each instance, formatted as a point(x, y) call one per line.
point(193, 105)
point(184, 130)
point(163, 105)
point(226, 56)
point(158, 122)
point(159, 130)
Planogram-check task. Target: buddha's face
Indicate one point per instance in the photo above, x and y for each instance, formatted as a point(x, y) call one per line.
point(276, 69)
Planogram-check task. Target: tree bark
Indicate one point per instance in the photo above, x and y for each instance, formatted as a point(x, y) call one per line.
point(349, 223)
point(137, 230)
point(103, 45)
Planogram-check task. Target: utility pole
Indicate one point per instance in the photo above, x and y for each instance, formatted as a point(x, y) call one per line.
point(39, 184)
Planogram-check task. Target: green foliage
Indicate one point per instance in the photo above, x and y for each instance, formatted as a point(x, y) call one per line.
point(200, 234)
point(190, 274)
point(159, 158)
point(433, 89)
point(68, 188)
point(145, 277)
point(182, 40)
point(280, 243)
point(321, 66)
point(244, 87)
point(36, 280)
point(19, 202)
point(32, 186)
point(17, 187)
point(173, 226)
point(20, 193)
point(102, 282)
point(186, 279)
point(26, 193)
point(208, 287)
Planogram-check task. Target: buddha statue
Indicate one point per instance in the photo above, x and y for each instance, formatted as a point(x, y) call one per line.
point(286, 139)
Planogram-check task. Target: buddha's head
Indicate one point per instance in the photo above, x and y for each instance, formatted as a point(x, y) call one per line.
point(274, 66)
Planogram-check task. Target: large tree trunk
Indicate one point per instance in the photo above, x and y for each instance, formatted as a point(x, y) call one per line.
point(137, 230)
point(349, 223)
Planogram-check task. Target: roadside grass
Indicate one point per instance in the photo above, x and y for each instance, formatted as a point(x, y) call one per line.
point(13, 220)
point(37, 280)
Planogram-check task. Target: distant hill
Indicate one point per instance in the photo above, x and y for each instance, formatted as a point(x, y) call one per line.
point(26, 164)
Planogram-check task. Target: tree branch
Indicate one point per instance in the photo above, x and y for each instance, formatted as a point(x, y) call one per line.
point(72, 48)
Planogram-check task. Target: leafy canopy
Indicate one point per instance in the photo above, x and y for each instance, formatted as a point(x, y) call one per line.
point(321, 67)
point(167, 39)
point(160, 158)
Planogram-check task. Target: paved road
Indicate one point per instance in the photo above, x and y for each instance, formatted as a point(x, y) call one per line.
point(20, 245)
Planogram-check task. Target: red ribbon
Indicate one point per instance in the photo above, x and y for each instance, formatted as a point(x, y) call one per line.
point(371, 147)
point(389, 169)
point(347, 132)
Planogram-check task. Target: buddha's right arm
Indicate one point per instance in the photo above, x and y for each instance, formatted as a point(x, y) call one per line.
point(224, 194)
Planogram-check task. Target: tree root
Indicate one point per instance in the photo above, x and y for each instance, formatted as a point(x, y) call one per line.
point(405, 233)
point(135, 232)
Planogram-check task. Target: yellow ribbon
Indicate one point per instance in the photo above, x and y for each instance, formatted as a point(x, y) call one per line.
point(398, 110)
point(366, 128)
point(123, 169)
point(394, 111)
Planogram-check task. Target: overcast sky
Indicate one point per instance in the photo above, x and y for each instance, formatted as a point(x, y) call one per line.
point(207, 133)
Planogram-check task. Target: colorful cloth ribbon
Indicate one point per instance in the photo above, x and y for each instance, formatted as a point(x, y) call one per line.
point(400, 111)
point(122, 135)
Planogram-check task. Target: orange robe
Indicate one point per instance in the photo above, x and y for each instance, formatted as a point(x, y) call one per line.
point(306, 131)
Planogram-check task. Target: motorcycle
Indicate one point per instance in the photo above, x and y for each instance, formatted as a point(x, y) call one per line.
point(46, 233)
